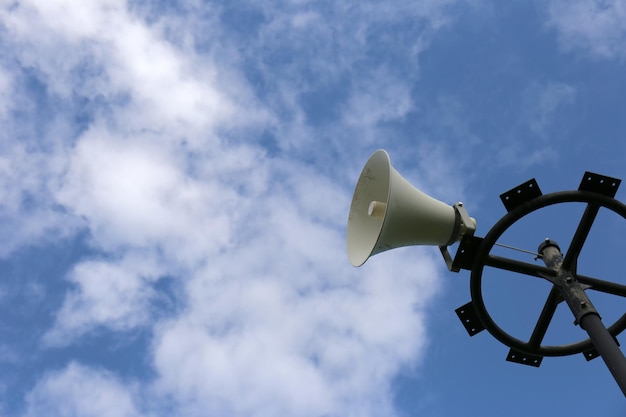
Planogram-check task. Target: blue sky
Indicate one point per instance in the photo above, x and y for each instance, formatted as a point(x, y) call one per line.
point(176, 179)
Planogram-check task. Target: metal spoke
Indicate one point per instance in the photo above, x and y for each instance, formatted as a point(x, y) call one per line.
point(545, 318)
point(603, 286)
point(519, 267)
point(580, 236)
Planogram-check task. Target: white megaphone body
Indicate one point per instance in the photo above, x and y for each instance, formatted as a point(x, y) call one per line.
point(387, 212)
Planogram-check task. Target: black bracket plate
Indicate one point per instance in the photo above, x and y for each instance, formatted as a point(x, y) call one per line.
point(524, 358)
point(591, 354)
point(464, 257)
point(599, 184)
point(469, 318)
point(520, 194)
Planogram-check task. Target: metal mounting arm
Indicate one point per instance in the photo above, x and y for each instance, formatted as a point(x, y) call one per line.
point(585, 313)
point(465, 227)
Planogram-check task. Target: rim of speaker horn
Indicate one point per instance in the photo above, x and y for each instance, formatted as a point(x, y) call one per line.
point(373, 185)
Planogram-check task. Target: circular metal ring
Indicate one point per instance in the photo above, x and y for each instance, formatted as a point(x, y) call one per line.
point(489, 241)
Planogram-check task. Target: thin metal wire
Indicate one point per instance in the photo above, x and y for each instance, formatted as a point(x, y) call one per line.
point(537, 255)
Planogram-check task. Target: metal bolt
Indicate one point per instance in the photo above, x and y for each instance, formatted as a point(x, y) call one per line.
point(568, 279)
point(583, 304)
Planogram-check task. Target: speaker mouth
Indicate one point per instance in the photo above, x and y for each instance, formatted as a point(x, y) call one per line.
point(368, 208)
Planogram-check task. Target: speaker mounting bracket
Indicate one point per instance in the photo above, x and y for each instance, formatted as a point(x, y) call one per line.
point(464, 229)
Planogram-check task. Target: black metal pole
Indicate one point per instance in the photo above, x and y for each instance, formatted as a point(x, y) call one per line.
point(585, 313)
point(606, 347)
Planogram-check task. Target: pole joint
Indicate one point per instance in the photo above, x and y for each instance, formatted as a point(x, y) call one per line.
point(571, 290)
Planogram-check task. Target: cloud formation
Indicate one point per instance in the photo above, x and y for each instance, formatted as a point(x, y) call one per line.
point(81, 391)
point(191, 154)
point(593, 26)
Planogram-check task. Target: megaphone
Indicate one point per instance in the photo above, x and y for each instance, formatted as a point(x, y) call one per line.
point(388, 212)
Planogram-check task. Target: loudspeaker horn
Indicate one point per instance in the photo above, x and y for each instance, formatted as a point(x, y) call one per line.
point(388, 212)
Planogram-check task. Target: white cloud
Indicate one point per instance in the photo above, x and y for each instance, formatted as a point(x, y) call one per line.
point(107, 294)
point(169, 177)
point(134, 185)
point(594, 26)
point(6, 84)
point(379, 97)
point(27, 210)
point(335, 55)
point(100, 50)
point(286, 345)
point(294, 330)
point(542, 102)
point(81, 391)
